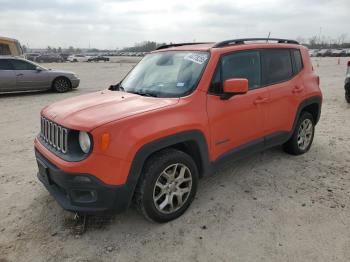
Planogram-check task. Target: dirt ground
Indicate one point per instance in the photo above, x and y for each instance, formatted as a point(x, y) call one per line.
point(268, 207)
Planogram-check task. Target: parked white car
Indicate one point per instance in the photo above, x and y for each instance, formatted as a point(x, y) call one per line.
point(78, 58)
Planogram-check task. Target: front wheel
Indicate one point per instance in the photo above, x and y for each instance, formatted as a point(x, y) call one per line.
point(302, 137)
point(167, 186)
point(61, 85)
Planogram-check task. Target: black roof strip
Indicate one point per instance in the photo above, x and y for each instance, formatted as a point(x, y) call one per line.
point(243, 40)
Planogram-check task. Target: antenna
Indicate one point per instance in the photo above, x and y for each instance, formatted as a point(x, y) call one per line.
point(268, 37)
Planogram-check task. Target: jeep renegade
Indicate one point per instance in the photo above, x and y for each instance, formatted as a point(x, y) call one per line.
point(183, 110)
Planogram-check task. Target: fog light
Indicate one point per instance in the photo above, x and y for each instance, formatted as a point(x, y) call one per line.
point(82, 179)
point(84, 196)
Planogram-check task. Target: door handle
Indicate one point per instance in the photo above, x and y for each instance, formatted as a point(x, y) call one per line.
point(297, 89)
point(19, 75)
point(261, 100)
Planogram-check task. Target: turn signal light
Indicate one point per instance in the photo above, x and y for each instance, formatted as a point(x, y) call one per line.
point(105, 138)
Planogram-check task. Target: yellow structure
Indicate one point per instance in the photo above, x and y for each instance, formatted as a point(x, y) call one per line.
point(9, 46)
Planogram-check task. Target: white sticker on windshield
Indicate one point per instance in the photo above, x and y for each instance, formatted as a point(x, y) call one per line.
point(197, 58)
point(180, 84)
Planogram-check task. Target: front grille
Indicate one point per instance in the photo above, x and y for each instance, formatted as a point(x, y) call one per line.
point(54, 135)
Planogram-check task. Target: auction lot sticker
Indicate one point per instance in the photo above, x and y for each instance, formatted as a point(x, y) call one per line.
point(196, 57)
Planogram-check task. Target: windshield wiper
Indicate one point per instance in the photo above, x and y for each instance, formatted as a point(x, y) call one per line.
point(143, 93)
point(117, 87)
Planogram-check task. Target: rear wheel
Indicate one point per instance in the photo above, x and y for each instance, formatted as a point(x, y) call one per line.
point(347, 97)
point(61, 85)
point(303, 135)
point(167, 186)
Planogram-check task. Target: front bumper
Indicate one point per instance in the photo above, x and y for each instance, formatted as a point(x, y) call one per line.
point(75, 82)
point(82, 193)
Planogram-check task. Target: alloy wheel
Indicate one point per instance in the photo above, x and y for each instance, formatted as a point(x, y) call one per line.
point(305, 133)
point(172, 188)
point(61, 85)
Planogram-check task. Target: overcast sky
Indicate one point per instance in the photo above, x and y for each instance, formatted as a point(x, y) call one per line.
point(120, 23)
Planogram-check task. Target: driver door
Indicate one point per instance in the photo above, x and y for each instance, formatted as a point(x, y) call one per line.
point(28, 77)
point(238, 122)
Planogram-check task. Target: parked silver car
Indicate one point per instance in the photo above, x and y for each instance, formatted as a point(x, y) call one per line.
point(18, 74)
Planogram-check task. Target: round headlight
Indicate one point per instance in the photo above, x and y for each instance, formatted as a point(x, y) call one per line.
point(84, 142)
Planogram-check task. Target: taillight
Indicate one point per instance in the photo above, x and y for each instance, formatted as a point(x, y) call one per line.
point(318, 80)
point(348, 63)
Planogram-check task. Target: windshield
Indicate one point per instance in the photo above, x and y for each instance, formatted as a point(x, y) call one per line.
point(166, 74)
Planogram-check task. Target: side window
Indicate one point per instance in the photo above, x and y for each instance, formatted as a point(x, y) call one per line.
point(5, 49)
point(216, 85)
point(297, 61)
point(22, 65)
point(276, 65)
point(5, 64)
point(243, 65)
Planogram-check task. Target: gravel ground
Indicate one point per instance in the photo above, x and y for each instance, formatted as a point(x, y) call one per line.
point(269, 207)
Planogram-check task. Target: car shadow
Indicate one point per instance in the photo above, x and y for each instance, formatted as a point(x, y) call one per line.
point(32, 93)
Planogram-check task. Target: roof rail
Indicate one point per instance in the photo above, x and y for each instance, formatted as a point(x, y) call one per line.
point(243, 40)
point(180, 44)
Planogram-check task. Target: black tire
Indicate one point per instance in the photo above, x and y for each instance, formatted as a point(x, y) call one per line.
point(347, 97)
point(294, 146)
point(153, 171)
point(61, 85)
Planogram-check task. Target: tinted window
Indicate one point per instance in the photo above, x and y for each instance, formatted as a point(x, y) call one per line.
point(22, 65)
point(277, 66)
point(243, 65)
point(5, 64)
point(297, 61)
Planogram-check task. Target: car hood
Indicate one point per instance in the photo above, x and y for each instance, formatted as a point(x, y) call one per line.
point(62, 72)
point(89, 111)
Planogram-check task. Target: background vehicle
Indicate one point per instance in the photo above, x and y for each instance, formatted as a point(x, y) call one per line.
point(182, 111)
point(9, 46)
point(324, 52)
point(98, 58)
point(48, 58)
point(312, 52)
point(347, 84)
point(338, 52)
point(64, 56)
point(17, 74)
point(31, 56)
point(77, 58)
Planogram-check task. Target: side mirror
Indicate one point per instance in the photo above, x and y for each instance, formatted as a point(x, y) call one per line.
point(235, 86)
point(38, 69)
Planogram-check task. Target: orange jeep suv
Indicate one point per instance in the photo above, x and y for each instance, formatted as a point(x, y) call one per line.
point(181, 112)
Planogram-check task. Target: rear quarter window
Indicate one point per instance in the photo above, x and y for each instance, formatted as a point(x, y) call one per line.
point(277, 66)
point(297, 61)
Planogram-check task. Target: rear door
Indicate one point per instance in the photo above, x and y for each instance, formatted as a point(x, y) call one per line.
point(7, 76)
point(28, 77)
point(285, 88)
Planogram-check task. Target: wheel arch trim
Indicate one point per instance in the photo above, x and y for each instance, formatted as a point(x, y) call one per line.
point(147, 150)
point(307, 102)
